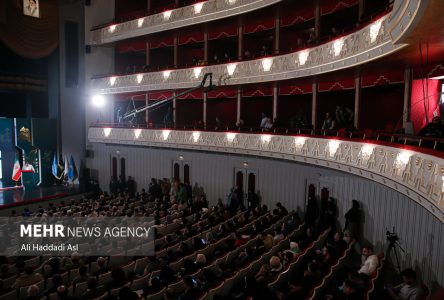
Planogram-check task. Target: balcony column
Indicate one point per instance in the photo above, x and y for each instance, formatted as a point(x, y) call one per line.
point(205, 97)
point(361, 9)
point(314, 104)
point(275, 100)
point(205, 58)
point(176, 50)
point(174, 110)
point(358, 97)
point(148, 7)
point(177, 3)
point(277, 30)
point(147, 54)
point(239, 104)
point(240, 39)
point(317, 15)
point(147, 98)
point(407, 96)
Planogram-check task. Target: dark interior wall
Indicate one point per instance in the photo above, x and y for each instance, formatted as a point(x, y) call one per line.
point(224, 109)
point(381, 105)
point(253, 42)
point(188, 111)
point(124, 60)
point(157, 114)
point(293, 105)
point(221, 46)
point(161, 58)
point(12, 105)
point(342, 19)
point(253, 107)
point(125, 7)
point(188, 52)
point(328, 101)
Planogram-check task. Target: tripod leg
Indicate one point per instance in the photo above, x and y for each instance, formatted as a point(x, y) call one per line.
point(397, 259)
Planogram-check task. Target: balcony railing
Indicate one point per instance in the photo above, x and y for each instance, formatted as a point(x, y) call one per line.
point(200, 12)
point(413, 171)
point(368, 43)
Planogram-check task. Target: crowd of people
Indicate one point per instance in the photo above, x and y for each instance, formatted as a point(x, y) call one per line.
point(239, 232)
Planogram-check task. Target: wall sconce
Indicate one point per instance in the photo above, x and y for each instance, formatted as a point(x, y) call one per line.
point(374, 30)
point(140, 22)
point(106, 131)
point(333, 146)
point(137, 133)
point(166, 74)
point(180, 157)
point(265, 138)
point(303, 56)
point(112, 28)
point(165, 134)
point(197, 72)
point(139, 78)
point(245, 164)
point(112, 80)
point(198, 7)
point(337, 46)
point(167, 15)
point(299, 142)
point(231, 136)
point(196, 135)
point(266, 64)
point(402, 158)
point(231, 68)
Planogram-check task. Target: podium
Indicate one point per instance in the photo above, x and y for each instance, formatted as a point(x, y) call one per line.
point(30, 179)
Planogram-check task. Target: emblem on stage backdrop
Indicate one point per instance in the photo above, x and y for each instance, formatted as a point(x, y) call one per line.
point(25, 135)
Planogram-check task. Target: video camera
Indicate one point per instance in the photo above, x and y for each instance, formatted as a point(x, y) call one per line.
point(392, 237)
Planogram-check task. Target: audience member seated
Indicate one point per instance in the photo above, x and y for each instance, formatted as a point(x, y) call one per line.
point(329, 122)
point(299, 288)
point(27, 279)
point(370, 261)
point(267, 239)
point(409, 289)
point(3, 289)
point(434, 129)
point(33, 293)
point(264, 275)
point(278, 236)
point(191, 292)
point(154, 286)
point(93, 291)
point(276, 265)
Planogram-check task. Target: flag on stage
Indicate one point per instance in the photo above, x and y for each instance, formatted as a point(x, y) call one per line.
point(71, 170)
point(54, 166)
point(17, 171)
point(65, 171)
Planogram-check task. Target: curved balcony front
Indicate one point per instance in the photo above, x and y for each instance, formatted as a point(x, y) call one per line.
point(371, 42)
point(415, 172)
point(200, 12)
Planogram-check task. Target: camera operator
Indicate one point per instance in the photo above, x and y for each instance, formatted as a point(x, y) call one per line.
point(409, 289)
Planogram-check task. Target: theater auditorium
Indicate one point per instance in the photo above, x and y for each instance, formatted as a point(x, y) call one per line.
point(268, 149)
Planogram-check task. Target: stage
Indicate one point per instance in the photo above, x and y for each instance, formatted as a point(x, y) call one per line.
point(16, 196)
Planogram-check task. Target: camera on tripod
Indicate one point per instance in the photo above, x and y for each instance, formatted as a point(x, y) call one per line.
point(392, 237)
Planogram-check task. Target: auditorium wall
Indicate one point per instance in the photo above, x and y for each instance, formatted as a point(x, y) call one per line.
point(421, 234)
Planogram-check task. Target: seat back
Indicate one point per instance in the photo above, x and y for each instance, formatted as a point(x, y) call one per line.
point(12, 295)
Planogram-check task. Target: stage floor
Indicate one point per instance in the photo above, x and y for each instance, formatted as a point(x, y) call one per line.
point(13, 197)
